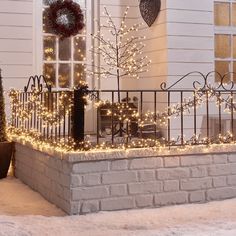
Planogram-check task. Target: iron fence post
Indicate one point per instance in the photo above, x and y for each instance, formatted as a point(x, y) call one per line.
point(78, 118)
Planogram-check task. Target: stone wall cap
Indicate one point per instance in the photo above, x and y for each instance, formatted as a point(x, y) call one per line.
point(115, 154)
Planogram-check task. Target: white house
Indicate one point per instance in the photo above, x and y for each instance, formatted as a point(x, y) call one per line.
point(181, 40)
point(187, 36)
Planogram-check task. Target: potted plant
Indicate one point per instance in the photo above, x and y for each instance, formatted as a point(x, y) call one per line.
point(5, 146)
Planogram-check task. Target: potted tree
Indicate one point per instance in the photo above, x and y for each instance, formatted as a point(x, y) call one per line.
point(5, 146)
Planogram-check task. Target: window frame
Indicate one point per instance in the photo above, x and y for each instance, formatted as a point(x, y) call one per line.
point(93, 12)
point(226, 30)
point(38, 38)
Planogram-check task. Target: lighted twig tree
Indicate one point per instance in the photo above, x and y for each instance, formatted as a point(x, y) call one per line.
point(122, 53)
point(2, 113)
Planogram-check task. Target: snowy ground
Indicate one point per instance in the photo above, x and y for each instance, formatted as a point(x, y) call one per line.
point(20, 210)
point(18, 199)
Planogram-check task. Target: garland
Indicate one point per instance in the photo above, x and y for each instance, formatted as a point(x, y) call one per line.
point(38, 141)
point(121, 112)
point(65, 18)
point(201, 97)
point(50, 115)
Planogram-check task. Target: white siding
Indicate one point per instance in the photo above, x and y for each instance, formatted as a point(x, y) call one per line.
point(116, 9)
point(180, 41)
point(156, 42)
point(190, 27)
point(16, 45)
point(156, 50)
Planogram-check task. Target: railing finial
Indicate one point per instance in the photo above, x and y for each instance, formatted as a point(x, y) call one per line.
point(38, 82)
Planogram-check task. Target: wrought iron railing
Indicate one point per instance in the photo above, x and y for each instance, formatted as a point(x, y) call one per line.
point(199, 113)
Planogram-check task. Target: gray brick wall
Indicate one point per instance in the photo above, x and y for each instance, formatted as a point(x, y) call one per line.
point(49, 176)
point(80, 187)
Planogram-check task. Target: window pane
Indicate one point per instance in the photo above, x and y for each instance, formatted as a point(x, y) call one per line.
point(223, 68)
point(49, 71)
point(234, 46)
point(63, 59)
point(46, 29)
point(234, 14)
point(64, 75)
point(79, 48)
point(49, 48)
point(79, 73)
point(222, 14)
point(234, 75)
point(65, 49)
point(222, 46)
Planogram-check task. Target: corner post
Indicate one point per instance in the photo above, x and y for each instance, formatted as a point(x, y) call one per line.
point(78, 118)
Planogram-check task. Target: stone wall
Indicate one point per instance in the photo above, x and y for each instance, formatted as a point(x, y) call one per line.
point(80, 187)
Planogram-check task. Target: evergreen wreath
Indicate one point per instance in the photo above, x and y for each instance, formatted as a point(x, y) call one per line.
point(64, 18)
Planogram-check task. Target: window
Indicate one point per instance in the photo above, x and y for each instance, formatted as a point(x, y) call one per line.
point(225, 38)
point(222, 14)
point(64, 60)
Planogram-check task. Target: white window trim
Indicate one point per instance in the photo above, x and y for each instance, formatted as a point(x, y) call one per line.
point(226, 30)
point(93, 11)
point(38, 40)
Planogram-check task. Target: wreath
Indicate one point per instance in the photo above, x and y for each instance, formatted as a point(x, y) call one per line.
point(64, 18)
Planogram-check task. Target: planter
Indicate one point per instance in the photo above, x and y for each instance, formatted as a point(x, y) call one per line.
point(6, 149)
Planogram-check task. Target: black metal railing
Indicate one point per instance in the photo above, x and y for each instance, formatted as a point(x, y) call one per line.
point(178, 114)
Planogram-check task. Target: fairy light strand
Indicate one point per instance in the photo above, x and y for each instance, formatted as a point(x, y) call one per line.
point(121, 112)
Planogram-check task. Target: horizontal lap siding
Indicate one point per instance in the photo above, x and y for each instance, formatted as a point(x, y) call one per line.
point(190, 30)
point(115, 8)
point(155, 49)
point(19, 6)
point(190, 37)
point(180, 41)
point(10, 45)
point(16, 43)
point(200, 5)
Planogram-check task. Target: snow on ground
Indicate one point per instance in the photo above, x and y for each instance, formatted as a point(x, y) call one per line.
point(18, 199)
point(20, 210)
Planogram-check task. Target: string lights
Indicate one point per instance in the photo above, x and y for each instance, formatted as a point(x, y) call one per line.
point(121, 112)
point(121, 54)
point(49, 109)
point(201, 97)
point(38, 141)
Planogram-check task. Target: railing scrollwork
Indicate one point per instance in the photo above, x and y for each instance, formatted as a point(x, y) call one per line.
point(37, 82)
point(225, 82)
